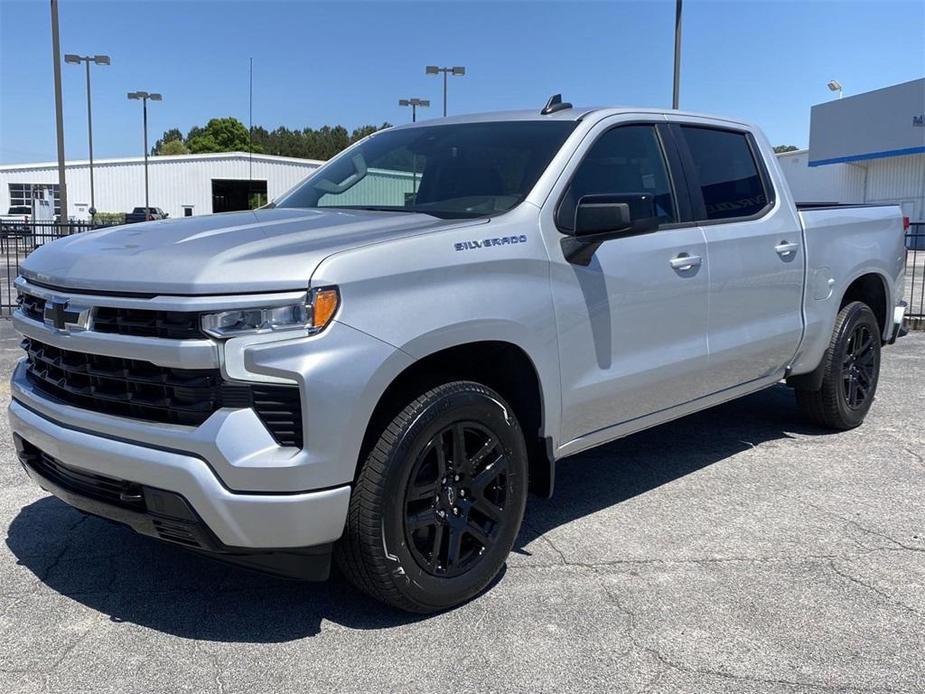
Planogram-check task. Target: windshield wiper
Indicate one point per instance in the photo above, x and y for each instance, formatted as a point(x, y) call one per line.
point(371, 208)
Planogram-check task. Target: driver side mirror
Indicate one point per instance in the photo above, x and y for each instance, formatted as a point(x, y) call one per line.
point(607, 216)
point(599, 218)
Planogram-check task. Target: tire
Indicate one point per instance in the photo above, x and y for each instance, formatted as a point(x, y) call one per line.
point(851, 370)
point(403, 543)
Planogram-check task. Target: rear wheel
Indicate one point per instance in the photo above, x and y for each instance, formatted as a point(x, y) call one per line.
point(851, 369)
point(438, 502)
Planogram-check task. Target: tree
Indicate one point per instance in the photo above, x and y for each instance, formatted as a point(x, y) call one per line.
point(230, 135)
point(780, 149)
point(364, 130)
point(173, 147)
point(219, 135)
point(172, 135)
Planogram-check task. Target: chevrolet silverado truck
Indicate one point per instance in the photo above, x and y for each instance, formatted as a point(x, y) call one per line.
point(377, 367)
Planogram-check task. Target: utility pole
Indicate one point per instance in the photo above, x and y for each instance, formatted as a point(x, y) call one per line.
point(676, 95)
point(250, 133)
point(458, 71)
point(144, 96)
point(99, 60)
point(59, 114)
point(414, 103)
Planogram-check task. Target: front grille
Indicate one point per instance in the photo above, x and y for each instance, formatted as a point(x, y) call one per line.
point(142, 390)
point(32, 306)
point(170, 325)
point(106, 489)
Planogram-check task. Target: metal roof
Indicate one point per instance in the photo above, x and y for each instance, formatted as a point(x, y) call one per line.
point(164, 159)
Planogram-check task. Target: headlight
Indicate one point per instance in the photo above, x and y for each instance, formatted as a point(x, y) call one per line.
point(313, 316)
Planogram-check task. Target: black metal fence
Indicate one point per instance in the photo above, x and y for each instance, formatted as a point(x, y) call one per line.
point(915, 276)
point(17, 240)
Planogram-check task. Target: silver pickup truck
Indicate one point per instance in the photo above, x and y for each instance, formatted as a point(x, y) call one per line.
point(378, 366)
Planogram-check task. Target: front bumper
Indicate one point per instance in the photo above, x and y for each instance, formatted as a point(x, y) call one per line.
point(252, 521)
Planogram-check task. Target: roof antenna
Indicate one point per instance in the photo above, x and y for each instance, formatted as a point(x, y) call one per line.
point(554, 104)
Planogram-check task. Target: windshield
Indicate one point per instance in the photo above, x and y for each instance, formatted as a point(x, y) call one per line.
point(449, 171)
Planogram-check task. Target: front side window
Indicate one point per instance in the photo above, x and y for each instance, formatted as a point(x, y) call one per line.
point(627, 160)
point(449, 171)
point(729, 179)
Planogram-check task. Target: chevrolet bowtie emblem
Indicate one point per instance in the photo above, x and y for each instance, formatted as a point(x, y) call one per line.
point(63, 317)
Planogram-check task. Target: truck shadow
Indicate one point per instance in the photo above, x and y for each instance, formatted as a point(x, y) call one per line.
point(137, 580)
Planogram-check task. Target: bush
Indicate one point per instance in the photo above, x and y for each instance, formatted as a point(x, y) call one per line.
point(110, 218)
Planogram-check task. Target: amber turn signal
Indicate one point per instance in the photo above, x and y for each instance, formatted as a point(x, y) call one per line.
point(324, 305)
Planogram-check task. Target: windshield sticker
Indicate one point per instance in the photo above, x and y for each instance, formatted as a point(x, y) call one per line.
point(488, 243)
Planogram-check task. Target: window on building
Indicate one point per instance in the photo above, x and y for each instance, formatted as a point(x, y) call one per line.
point(22, 194)
point(729, 178)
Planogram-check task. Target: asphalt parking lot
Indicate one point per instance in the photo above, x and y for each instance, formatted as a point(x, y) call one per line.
point(737, 550)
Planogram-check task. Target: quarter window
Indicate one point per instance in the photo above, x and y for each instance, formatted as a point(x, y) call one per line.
point(729, 179)
point(625, 160)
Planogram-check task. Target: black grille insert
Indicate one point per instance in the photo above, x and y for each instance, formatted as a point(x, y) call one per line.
point(142, 390)
point(107, 489)
point(171, 325)
point(32, 306)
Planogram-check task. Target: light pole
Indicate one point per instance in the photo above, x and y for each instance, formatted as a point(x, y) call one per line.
point(458, 71)
point(144, 96)
point(59, 115)
point(676, 91)
point(99, 60)
point(835, 86)
point(414, 103)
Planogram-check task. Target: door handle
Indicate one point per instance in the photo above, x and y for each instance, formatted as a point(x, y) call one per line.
point(684, 262)
point(784, 249)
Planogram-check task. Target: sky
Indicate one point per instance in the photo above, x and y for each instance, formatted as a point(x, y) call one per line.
point(349, 63)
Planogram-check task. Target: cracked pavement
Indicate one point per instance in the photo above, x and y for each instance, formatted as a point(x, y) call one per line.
point(736, 550)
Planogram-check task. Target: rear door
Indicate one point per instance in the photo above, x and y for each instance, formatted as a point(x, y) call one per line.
point(632, 320)
point(755, 251)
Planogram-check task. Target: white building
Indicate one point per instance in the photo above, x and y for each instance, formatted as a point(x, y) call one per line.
point(188, 184)
point(868, 148)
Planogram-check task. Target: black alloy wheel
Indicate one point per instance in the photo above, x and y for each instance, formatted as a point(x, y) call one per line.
point(858, 376)
point(849, 371)
point(455, 504)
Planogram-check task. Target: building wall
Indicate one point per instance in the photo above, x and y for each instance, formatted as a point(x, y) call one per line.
point(899, 180)
point(833, 183)
point(174, 181)
point(883, 123)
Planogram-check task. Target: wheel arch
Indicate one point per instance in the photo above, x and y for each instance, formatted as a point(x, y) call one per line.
point(501, 365)
point(870, 288)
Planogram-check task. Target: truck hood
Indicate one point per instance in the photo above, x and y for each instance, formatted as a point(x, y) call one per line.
point(235, 252)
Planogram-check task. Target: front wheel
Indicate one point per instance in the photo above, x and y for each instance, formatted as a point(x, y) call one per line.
point(851, 369)
point(438, 502)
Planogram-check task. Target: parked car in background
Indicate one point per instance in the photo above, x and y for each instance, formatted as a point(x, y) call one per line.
point(141, 214)
point(380, 378)
point(16, 221)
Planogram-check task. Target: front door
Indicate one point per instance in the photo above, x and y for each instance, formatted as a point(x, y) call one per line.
point(632, 322)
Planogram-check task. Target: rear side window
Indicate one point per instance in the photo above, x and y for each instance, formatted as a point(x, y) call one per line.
point(730, 182)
